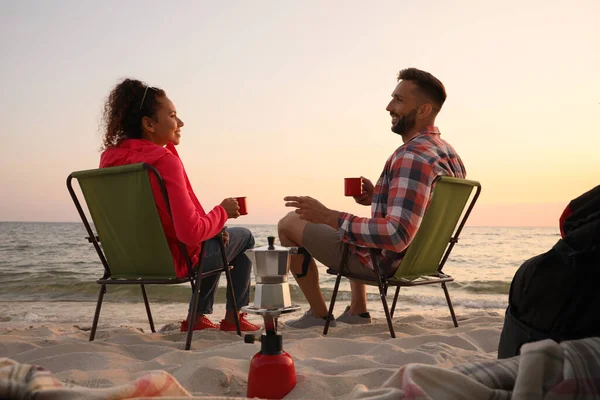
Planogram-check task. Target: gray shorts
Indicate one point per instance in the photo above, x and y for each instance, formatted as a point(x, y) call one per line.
point(323, 243)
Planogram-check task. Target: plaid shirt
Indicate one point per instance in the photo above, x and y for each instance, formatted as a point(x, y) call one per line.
point(400, 198)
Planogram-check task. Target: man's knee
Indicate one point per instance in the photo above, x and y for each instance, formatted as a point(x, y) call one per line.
point(285, 223)
point(290, 229)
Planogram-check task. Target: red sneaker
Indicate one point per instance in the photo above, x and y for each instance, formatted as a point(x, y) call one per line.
point(245, 325)
point(201, 323)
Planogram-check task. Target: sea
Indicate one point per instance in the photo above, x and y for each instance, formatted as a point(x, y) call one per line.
point(48, 273)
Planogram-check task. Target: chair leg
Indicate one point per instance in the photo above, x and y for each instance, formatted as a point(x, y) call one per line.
point(383, 287)
point(394, 302)
point(148, 309)
point(332, 304)
point(230, 287)
point(387, 311)
point(382, 294)
point(192, 320)
point(450, 304)
point(343, 261)
point(97, 314)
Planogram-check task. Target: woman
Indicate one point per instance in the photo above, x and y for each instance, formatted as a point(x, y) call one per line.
point(141, 125)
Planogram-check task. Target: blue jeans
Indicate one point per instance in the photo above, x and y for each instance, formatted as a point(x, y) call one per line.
point(240, 240)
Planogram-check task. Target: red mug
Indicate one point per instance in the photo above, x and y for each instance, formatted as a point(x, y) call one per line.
point(242, 203)
point(352, 186)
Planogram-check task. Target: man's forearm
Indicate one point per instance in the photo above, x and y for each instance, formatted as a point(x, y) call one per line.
point(333, 218)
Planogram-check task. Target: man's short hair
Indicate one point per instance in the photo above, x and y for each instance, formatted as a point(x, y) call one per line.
point(429, 85)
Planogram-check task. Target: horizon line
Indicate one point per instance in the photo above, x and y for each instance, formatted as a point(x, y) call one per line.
point(467, 225)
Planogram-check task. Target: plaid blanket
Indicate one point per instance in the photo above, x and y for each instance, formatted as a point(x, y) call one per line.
point(23, 381)
point(544, 370)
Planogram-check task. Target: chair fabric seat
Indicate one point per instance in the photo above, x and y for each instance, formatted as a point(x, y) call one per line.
point(155, 280)
point(393, 281)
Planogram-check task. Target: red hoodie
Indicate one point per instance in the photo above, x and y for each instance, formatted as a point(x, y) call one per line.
point(191, 225)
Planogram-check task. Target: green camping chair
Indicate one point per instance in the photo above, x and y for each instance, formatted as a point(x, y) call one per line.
point(425, 257)
point(134, 247)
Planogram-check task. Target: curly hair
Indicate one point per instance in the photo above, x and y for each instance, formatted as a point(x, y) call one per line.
point(124, 108)
point(429, 85)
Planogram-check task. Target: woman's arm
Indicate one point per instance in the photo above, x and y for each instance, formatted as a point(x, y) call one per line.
point(192, 226)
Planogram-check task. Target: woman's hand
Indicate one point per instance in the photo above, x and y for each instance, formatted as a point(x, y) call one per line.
point(366, 197)
point(232, 207)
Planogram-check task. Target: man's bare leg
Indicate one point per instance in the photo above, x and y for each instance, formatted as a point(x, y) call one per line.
point(291, 228)
point(358, 303)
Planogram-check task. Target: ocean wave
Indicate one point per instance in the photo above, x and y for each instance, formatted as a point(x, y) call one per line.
point(486, 287)
point(89, 291)
point(434, 299)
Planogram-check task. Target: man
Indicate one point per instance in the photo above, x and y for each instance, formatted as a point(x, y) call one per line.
point(398, 202)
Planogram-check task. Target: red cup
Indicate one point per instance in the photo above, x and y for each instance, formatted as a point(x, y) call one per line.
point(352, 186)
point(242, 203)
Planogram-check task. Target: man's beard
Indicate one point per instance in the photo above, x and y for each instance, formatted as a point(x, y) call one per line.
point(406, 123)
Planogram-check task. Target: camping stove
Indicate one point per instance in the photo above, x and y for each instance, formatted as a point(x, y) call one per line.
point(272, 373)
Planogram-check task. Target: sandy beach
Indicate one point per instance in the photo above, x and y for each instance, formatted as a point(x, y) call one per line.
point(327, 366)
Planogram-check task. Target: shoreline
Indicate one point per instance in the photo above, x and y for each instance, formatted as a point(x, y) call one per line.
point(21, 314)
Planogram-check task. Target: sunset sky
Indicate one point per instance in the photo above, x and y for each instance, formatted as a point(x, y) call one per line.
point(288, 97)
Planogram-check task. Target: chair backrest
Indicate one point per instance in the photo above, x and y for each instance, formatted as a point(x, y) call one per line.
point(124, 212)
point(449, 198)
